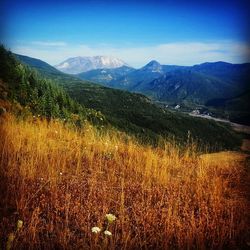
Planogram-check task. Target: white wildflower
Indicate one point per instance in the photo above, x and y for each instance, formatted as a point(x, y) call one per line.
point(110, 217)
point(108, 233)
point(95, 230)
point(19, 224)
point(61, 173)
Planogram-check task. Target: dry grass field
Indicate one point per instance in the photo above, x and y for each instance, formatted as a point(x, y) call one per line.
point(60, 183)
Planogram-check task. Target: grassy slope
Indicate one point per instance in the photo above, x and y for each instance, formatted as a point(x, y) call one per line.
point(61, 183)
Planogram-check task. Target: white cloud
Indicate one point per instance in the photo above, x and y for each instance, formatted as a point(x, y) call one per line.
point(179, 53)
point(49, 44)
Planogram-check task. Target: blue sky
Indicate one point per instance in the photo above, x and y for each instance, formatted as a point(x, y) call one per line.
point(172, 32)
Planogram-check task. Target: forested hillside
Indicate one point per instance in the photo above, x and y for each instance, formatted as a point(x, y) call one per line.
point(37, 95)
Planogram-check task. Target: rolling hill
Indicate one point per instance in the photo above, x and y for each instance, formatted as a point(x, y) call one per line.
point(37, 64)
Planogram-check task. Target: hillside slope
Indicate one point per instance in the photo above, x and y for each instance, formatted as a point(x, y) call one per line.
point(30, 93)
point(139, 116)
point(61, 183)
point(37, 64)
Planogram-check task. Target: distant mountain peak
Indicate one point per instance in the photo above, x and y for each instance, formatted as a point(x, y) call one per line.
point(153, 62)
point(153, 66)
point(79, 64)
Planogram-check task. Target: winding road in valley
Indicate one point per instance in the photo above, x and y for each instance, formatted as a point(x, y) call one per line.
point(235, 126)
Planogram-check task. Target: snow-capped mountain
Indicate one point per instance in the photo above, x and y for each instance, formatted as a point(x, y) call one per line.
point(80, 64)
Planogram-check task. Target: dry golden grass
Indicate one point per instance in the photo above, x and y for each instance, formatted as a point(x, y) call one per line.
point(61, 183)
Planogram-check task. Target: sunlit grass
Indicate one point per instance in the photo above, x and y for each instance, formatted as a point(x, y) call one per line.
point(61, 183)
